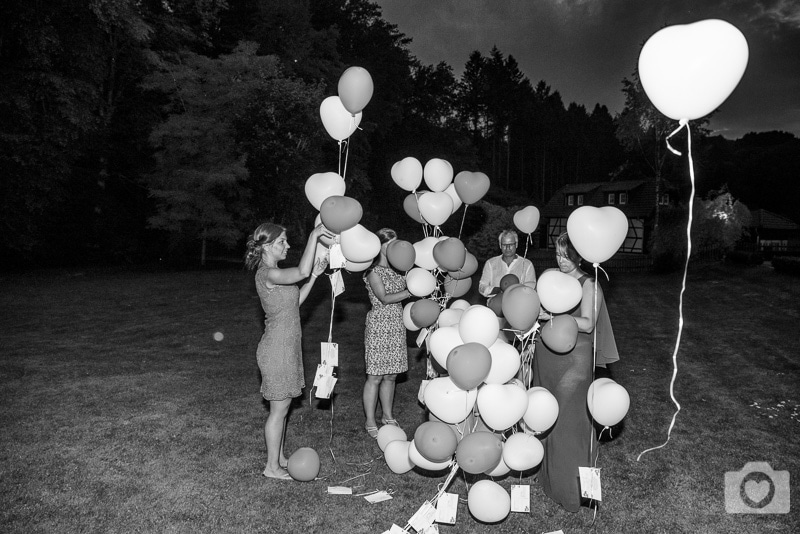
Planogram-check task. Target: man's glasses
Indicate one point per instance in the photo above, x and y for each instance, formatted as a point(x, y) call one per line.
point(506, 245)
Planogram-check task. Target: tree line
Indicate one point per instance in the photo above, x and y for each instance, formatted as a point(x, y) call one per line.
point(139, 130)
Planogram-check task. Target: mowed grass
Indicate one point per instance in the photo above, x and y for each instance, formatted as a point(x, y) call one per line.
point(120, 412)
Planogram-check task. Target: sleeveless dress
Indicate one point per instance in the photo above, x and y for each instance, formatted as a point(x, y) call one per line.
point(567, 444)
point(385, 349)
point(279, 355)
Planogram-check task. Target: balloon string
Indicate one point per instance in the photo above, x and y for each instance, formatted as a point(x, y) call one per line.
point(333, 304)
point(683, 290)
point(463, 217)
point(594, 356)
point(528, 239)
point(346, 155)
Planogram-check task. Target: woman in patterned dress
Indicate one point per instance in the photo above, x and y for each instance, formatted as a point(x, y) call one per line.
point(384, 336)
point(279, 354)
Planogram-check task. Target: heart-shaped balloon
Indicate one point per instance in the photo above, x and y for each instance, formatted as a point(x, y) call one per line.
point(447, 401)
point(597, 233)
point(688, 70)
point(450, 253)
point(542, 409)
point(442, 341)
point(527, 219)
point(435, 207)
point(411, 207)
point(407, 173)
point(558, 292)
point(502, 405)
point(468, 365)
point(438, 174)
point(323, 185)
point(505, 363)
point(359, 244)
point(471, 186)
point(423, 253)
point(451, 192)
point(338, 122)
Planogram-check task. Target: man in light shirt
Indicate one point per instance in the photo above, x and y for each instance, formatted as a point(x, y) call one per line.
point(508, 262)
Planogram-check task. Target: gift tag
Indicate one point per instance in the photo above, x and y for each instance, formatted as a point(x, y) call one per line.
point(421, 337)
point(520, 498)
point(590, 483)
point(330, 353)
point(559, 531)
point(421, 392)
point(378, 497)
point(336, 258)
point(321, 372)
point(340, 490)
point(432, 529)
point(337, 283)
point(395, 530)
point(325, 387)
point(424, 517)
point(447, 508)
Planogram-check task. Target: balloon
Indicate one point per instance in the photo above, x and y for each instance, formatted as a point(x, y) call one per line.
point(407, 173)
point(469, 268)
point(443, 340)
point(560, 333)
point(390, 433)
point(468, 365)
point(355, 89)
point(456, 288)
point(505, 363)
point(323, 185)
point(495, 304)
point(521, 307)
point(688, 70)
point(420, 282)
point(338, 122)
point(499, 470)
point(438, 174)
point(435, 207)
point(447, 401)
point(339, 213)
point(522, 451)
point(396, 456)
point(459, 304)
point(424, 312)
point(597, 233)
point(608, 401)
point(502, 405)
point(542, 409)
point(479, 452)
point(527, 219)
point(423, 253)
point(407, 322)
point(450, 254)
point(488, 501)
point(359, 244)
point(412, 209)
point(401, 254)
point(327, 241)
point(423, 463)
point(435, 441)
point(508, 280)
point(451, 192)
point(558, 292)
point(449, 317)
point(479, 324)
point(304, 464)
point(356, 267)
point(471, 186)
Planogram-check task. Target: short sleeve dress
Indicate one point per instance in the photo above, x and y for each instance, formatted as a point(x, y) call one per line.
point(279, 354)
point(385, 349)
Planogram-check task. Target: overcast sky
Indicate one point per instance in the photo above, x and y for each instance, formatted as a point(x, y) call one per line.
point(583, 48)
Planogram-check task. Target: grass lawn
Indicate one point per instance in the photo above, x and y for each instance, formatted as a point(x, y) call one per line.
point(120, 412)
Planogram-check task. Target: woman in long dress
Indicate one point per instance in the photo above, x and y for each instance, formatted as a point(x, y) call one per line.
point(568, 444)
point(279, 355)
point(385, 349)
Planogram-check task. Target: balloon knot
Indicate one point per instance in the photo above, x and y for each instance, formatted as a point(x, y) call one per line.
point(683, 122)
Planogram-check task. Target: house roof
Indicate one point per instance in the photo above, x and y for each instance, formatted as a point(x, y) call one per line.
point(772, 221)
point(641, 197)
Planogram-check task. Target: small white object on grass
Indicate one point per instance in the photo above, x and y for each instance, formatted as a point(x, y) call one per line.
point(218, 336)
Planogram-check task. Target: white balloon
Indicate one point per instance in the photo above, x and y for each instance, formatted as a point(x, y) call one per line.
point(442, 341)
point(390, 433)
point(522, 451)
point(459, 304)
point(542, 409)
point(435, 207)
point(423, 250)
point(359, 244)
point(608, 401)
point(423, 463)
point(597, 233)
point(323, 185)
point(449, 317)
point(500, 469)
point(488, 501)
point(338, 122)
point(407, 322)
point(479, 324)
point(558, 292)
point(502, 405)
point(396, 456)
point(505, 362)
point(407, 173)
point(447, 401)
point(451, 191)
point(438, 174)
point(420, 282)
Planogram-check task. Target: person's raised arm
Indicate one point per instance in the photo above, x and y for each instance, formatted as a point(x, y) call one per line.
point(319, 268)
point(588, 318)
point(292, 275)
point(376, 284)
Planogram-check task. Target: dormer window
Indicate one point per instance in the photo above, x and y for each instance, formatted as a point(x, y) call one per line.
point(570, 200)
point(580, 200)
point(623, 198)
point(611, 199)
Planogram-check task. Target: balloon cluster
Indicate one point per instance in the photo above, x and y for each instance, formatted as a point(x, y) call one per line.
point(341, 114)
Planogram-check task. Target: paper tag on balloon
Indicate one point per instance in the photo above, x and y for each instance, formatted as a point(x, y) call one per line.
point(379, 496)
point(421, 392)
point(324, 381)
point(424, 517)
point(590, 483)
point(432, 529)
point(330, 353)
point(421, 337)
point(447, 508)
point(337, 283)
point(336, 258)
point(395, 530)
point(340, 490)
point(520, 498)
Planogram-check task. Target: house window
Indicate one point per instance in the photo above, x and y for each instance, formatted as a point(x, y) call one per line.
point(623, 198)
point(580, 200)
point(611, 199)
point(664, 200)
point(570, 200)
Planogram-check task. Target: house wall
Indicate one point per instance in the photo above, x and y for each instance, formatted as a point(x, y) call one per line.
point(634, 241)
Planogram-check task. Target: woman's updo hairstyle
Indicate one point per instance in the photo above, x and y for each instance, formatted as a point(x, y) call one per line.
point(265, 234)
point(564, 246)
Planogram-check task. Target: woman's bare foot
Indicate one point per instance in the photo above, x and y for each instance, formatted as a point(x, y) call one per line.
point(280, 473)
point(283, 462)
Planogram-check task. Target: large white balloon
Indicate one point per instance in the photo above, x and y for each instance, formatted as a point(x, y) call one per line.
point(407, 321)
point(449, 317)
point(447, 401)
point(542, 409)
point(502, 405)
point(359, 244)
point(558, 292)
point(323, 185)
point(522, 451)
point(420, 282)
point(479, 324)
point(338, 122)
point(407, 173)
point(608, 401)
point(438, 174)
point(442, 341)
point(451, 192)
point(505, 362)
point(435, 208)
point(488, 501)
point(423, 250)
point(688, 70)
point(597, 233)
